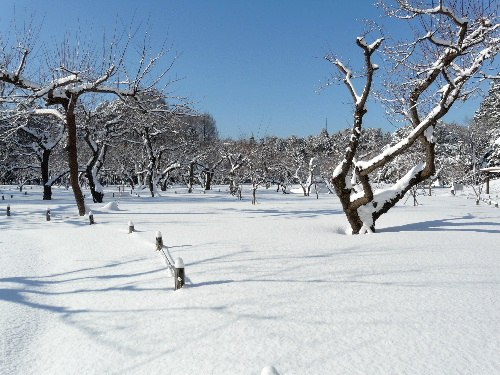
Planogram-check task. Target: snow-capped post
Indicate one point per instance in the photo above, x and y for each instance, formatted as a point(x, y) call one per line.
point(477, 202)
point(179, 273)
point(130, 227)
point(159, 241)
point(91, 218)
point(47, 214)
point(8, 210)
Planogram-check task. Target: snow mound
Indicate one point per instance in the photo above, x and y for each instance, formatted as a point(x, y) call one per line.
point(111, 206)
point(269, 370)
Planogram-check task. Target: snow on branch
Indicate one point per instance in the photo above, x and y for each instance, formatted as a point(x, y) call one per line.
point(411, 11)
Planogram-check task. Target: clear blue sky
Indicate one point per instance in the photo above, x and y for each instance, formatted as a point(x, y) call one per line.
point(256, 65)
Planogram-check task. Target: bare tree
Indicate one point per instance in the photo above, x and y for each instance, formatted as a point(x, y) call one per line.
point(454, 41)
point(76, 73)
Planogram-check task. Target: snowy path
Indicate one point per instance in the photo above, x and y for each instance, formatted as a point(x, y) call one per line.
point(271, 284)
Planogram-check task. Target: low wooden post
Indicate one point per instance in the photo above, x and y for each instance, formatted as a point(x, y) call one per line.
point(113, 195)
point(3, 198)
point(130, 227)
point(159, 241)
point(179, 274)
point(477, 202)
point(25, 193)
point(91, 218)
point(47, 214)
point(11, 196)
point(8, 210)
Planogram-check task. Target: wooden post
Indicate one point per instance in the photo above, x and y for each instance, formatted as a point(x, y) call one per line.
point(159, 241)
point(130, 227)
point(8, 210)
point(47, 214)
point(3, 198)
point(11, 196)
point(91, 218)
point(179, 274)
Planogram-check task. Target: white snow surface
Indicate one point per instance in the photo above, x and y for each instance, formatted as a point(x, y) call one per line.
point(278, 285)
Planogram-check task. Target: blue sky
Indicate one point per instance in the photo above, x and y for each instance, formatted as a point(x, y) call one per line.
point(256, 66)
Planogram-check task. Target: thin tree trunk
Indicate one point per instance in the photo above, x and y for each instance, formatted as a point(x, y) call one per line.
point(73, 155)
point(47, 189)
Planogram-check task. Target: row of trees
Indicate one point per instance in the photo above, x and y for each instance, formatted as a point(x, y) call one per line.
point(120, 146)
point(127, 129)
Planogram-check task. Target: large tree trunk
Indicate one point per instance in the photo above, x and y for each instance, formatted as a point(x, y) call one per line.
point(73, 155)
point(47, 188)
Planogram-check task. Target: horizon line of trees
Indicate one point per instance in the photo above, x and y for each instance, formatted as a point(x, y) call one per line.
point(119, 145)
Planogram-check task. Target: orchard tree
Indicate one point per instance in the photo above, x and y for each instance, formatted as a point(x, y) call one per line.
point(454, 40)
point(100, 128)
point(41, 135)
point(72, 74)
point(488, 118)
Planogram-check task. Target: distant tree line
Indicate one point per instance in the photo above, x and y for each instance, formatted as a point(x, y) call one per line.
point(122, 145)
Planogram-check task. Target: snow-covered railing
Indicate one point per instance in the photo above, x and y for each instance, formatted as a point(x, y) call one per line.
point(491, 202)
point(487, 199)
point(176, 268)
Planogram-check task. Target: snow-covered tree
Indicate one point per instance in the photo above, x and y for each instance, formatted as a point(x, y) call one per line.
point(488, 118)
point(100, 128)
point(453, 42)
point(72, 74)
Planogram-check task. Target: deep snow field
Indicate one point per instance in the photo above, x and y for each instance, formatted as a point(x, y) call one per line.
point(279, 283)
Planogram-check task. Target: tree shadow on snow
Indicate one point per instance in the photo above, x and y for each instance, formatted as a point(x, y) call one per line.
point(467, 223)
point(30, 290)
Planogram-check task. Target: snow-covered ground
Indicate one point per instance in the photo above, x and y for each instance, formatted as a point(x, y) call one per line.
point(279, 283)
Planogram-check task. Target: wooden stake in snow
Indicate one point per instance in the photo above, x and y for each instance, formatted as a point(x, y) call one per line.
point(91, 218)
point(179, 274)
point(130, 227)
point(8, 210)
point(159, 241)
point(47, 214)
point(3, 198)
